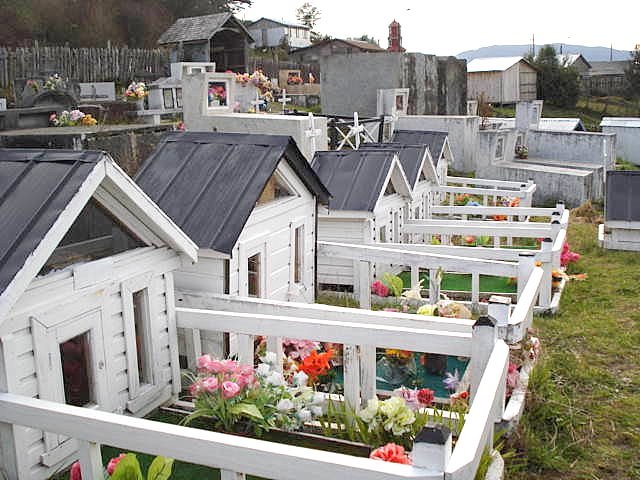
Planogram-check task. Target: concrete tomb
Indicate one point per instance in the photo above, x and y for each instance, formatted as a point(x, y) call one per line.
point(627, 132)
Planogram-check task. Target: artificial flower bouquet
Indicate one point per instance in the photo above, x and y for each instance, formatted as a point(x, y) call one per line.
point(135, 91)
point(55, 83)
point(72, 118)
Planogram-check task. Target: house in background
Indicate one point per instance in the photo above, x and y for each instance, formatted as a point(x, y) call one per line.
point(606, 78)
point(502, 80)
point(575, 61)
point(335, 46)
point(87, 311)
point(219, 38)
point(369, 197)
point(249, 202)
point(269, 33)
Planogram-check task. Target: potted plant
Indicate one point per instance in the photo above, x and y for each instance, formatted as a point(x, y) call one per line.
point(522, 151)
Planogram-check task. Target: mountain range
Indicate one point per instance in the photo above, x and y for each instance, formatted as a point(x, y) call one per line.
point(592, 54)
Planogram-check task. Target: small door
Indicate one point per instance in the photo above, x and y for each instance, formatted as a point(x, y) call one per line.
point(70, 367)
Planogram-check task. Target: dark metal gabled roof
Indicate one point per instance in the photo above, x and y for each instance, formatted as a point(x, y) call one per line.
point(209, 183)
point(35, 187)
point(433, 139)
point(410, 156)
point(623, 196)
point(355, 178)
point(192, 29)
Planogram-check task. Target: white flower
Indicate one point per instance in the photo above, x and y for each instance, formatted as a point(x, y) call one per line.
point(263, 370)
point(316, 410)
point(284, 405)
point(275, 379)
point(305, 415)
point(318, 398)
point(300, 379)
point(270, 358)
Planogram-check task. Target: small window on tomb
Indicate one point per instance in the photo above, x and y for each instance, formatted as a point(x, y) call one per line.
point(140, 324)
point(500, 148)
point(400, 103)
point(416, 213)
point(95, 234)
point(178, 97)
point(423, 177)
point(390, 190)
point(217, 94)
point(275, 189)
point(226, 276)
point(383, 234)
point(167, 96)
point(298, 254)
point(253, 275)
point(75, 355)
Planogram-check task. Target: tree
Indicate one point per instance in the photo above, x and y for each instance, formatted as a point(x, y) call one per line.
point(557, 85)
point(308, 15)
point(632, 75)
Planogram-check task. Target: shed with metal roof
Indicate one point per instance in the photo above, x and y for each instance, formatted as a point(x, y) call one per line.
point(502, 80)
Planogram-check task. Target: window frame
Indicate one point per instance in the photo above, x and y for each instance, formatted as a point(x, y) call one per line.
point(298, 247)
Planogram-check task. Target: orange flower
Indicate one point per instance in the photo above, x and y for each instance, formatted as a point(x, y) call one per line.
point(316, 364)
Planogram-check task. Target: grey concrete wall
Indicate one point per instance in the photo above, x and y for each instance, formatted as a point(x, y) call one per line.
point(553, 184)
point(437, 85)
point(627, 142)
point(583, 147)
point(463, 133)
point(487, 151)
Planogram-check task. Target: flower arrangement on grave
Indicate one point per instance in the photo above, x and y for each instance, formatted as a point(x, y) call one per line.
point(294, 80)
point(391, 453)
point(567, 256)
point(136, 91)
point(33, 85)
point(522, 151)
point(72, 118)
point(380, 289)
point(461, 199)
point(257, 78)
point(234, 396)
point(55, 83)
point(217, 94)
point(127, 467)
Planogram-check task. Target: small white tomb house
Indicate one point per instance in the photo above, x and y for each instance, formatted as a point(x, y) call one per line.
point(87, 313)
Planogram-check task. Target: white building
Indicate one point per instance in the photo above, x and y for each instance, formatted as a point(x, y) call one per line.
point(272, 33)
point(87, 313)
point(369, 196)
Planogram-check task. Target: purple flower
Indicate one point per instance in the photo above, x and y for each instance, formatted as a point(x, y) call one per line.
point(451, 381)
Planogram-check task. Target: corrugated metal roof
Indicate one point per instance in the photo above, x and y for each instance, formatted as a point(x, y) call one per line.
point(633, 122)
point(35, 187)
point(623, 196)
point(209, 183)
point(433, 139)
point(355, 178)
point(279, 22)
point(616, 67)
point(410, 156)
point(191, 29)
point(492, 64)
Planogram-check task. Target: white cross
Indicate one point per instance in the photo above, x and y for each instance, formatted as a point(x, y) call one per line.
point(284, 100)
point(312, 132)
point(257, 102)
point(354, 131)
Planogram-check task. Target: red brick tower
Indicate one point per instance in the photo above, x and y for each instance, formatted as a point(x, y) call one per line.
point(395, 38)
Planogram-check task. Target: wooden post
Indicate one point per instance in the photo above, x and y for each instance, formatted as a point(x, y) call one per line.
point(351, 366)
point(274, 345)
point(434, 286)
point(526, 264)
point(475, 291)
point(500, 310)
point(432, 448)
point(483, 339)
point(367, 354)
point(228, 475)
point(555, 228)
point(415, 276)
point(193, 344)
point(90, 461)
point(245, 348)
point(364, 277)
point(546, 293)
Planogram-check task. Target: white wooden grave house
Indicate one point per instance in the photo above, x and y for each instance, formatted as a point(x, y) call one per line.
point(250, 203)
point(439, 148)
point(87, 313)
point(370, 193)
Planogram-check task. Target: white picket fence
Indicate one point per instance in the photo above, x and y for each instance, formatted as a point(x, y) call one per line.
point(360, 331)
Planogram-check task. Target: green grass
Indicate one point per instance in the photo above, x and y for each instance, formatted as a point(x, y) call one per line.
point(582, 419)
point(622, 164)
point(590, 109)
point(462, 282)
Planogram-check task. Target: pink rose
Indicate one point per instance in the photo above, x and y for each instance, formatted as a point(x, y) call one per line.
point(111, 466)
point(76, 474)
point(203, 362)
point(196, 388)
point(230, 389)
point(210, 384)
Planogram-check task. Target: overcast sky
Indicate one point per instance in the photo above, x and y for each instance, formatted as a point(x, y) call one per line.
point(450, 27)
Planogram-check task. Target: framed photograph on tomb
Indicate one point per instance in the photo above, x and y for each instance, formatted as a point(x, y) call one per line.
point(219, 92)
point(167, 98)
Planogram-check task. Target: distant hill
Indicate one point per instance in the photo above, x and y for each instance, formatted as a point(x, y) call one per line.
point(592, 54)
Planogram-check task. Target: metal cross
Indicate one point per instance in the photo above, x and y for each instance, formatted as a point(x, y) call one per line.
point(312, 132)
point(284, 100)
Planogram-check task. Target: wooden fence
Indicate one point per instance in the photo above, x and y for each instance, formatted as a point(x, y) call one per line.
point(117, 64)
point(272, 67)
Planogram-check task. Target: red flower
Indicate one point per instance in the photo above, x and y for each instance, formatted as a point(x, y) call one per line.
point(391, 453)
point(76, 474)
point(111, 466)
point(316, 364)
point(425, 396)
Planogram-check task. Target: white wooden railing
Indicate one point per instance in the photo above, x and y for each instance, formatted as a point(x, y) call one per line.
point(522, 213)
point(485, 189)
